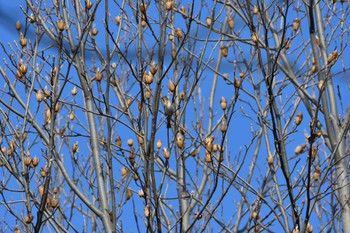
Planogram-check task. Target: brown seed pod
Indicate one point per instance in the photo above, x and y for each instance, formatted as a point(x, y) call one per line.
point(98, 75)
point(146, 211)
point(180, 141)
point(18, 25)
point(57, 107)
point(128, 193)
point(209, 21)
point(255, 10)
point(74, 91)
point(75, 147)
point(23, 68)
point(159, 144)
point(208, 157)
point(300, 149)
point(296, 24)
point(27, 161)
point(171, 85)
point(118, 141)
point(124, 171)
point(332, 57)
point(314, 152)
point(54, 202)
point(22, 40)
point(118, 19)
point(47, 119)
point(223, 103)
point(299, 118)
point(61, 24)
point(43, 172)
point(88, 4)
point(169, 5)
point(130, 142)
point(179, 33)
point(224, 50)
point(321, 85)
point(255, 37)
point(153, 69)
point(223, 127)
point(35, 161)
point(270, 159)
point(147, 77)
point(237, 82)
point(40, 96)
point(141, 193)
point(184, 11)
point(71, 115)
point(143, 7)
point(255, 215)
point(309, 227)
point(166, 153)
point(230, 22)
point(28, 218)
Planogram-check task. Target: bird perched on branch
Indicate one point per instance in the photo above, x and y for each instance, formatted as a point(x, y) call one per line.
point(168, 109)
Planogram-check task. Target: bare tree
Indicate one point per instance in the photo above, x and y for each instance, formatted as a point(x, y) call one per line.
point(170, 116)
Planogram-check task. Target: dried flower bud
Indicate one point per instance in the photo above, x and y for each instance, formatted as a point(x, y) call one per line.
point(321, 85)
point(28, 218)
point(98, 75)
point(299, 118)
point(35, 161)
point(255, 37)
point(22, 40)
point(124, 171)
point(223, 103)
point(296, 24)
point(118, 141)
point(147, 77)
point(209, 21)
point(184, 11)
point(61, 24)
point(43, 172)
point(208, 157)
point(237, 83)
point(128, 193)
point(224, 50)
point(159, 144)
point(75, 147)
point(255, 10)
point(40, 96)
point(143, 7)
point(27, 161)
point(179, 33)
point(171, 85)
point(18, 25)
point(169, 4)
point(88, 4)
point(130, 142)
point(54, 202)
point(300, 149)
point(74, 91)
point(230, 22)
point(270, 159)
point(71, 115)
point(146, 211)
point(118, 19)
point(309, 227)
point(166, 153)
point(153, 68)
point(180, 141)
point(332, 57)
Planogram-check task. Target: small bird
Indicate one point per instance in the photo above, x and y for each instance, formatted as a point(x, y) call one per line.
point(168, 109)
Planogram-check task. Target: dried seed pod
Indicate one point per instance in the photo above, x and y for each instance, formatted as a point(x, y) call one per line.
point(169, 5)
point(130, 142)
point(143, 7)
point(47, 119)
point(41, 190)
point(309, 227)
point(179, 33)
point(224, 50)
point(180, 141)
point(88, 4)
point(18, 25)
point(19, 74)
point(159, 144)
point(118, 19)
point(23, 68)
point(22, 40)
point(223, 126)
point(74, 91)
point(296, 24)
point(124, 171)
point(140, 140)
point(153, 69)
point(241, 74)
point(321, 85)
point(146, 211)
point(118, 141)
point(255, 37)
point(57, 107)
point(208, 157)
point(299, 118)
point(296, 229)
point(40, 96)
point(270, 159)
point(314, 152)
point(182, 95)
point(332, 57)
point(141, 193)
point(75, 147)
point(98, 75)
point(35, 161)
point(230, 22)
point(61, 24)
point(28, 218)
point(27, 161)
point(237, 83)
point(225, 75)
point(54, 202)
point(171, 85)
point(255, 10)
point(136, 176)
point(43, 172)
point(223, 103)
point(300, 149)
point(184, 11)
point(209, 143)
point(71, 115)
point(128, 193)
point(209, 21)
point(147, 77)
point(166, 153)
point(255, 215)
